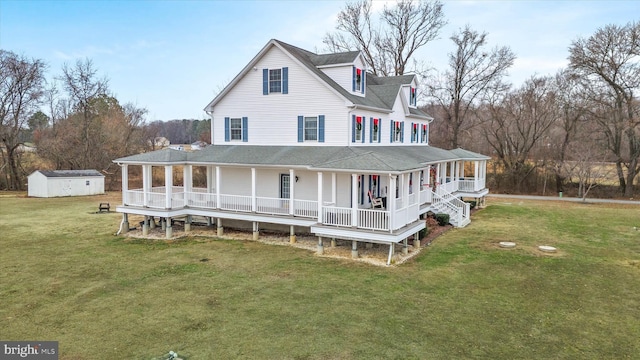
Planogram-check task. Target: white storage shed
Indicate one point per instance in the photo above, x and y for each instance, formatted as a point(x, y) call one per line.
point(45, 183)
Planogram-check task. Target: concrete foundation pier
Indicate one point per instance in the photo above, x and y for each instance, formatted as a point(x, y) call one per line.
point(292, 234)
point(187, 224)
point(145, 226)
point(354, 249)
point(256, 231)
point(124, 228)
point(333, 242)
point(320, 246)
point(169, 228)
point(220, 229)
point(405, 246)
point(163, 224)
point(152, 222)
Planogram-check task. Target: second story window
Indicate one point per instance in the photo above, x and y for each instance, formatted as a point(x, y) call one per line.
point(415, 133)
point(235, 126)
point(375, 130)
point(275, 81)
point(357, 129)
point(310, 128)
point(412, 96)
point(236, 129)
point(397, 131)
point(425, 134)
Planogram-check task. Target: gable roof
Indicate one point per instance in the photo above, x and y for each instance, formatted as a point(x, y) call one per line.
point(70, 173)
point(381, 92)
point(336, 158)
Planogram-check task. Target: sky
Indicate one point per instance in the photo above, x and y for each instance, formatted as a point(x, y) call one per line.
point(173, 57)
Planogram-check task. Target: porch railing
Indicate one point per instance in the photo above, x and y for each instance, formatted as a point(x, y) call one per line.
point(373, 219)
point(305, 208)
point(235, 203)
point(133, 197)
point(266, 205)
point(201, 199)
point(337, 216)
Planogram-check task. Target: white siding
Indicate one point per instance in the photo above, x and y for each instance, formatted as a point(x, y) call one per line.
point(343, 75)
point(37, 185)
point(273, 118)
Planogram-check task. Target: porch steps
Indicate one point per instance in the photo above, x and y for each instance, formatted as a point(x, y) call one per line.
point(458, 210)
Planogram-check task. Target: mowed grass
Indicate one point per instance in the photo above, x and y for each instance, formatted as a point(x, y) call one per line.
point(65, 276)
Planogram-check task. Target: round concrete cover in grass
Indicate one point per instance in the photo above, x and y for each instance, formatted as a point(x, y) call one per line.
point(546, 248)
point(507, 244)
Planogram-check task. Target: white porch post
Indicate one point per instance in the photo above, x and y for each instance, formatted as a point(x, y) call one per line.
point(334, 188)
point(168, 185)
point(391, 201)
point(125, 182)
point(209, 178)
point(254, 202)
point(146, 183)
point(218, 185)
point(476, 176)
point(187, 180)
point(292, 188)
point(405, 193)
point(320, 204)
point(354, 200)
point(438, 179)
point(404, 180)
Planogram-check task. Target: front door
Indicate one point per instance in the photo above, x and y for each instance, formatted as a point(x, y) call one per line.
point(285, 186)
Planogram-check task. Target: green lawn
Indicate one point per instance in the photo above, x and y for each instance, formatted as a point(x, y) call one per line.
point(66, 277)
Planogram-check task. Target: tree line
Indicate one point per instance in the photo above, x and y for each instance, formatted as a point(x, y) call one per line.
point(552, 131)
point(73, 122)
point(559, 128)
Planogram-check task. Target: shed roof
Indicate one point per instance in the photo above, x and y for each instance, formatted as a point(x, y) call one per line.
point(70, 173)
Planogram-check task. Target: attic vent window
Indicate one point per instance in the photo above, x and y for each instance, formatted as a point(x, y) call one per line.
point(412, 97)
point(275, 80)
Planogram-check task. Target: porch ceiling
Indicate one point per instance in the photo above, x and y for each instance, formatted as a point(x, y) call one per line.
point(335, 158)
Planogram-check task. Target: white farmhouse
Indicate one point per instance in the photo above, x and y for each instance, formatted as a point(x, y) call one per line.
point(45, 183)
point(314, 141)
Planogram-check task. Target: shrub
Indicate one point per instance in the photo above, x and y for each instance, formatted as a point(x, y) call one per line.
point(442, 218)
point(472, 203)
point(424, 232)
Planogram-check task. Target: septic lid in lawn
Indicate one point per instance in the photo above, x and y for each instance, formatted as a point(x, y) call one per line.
point(507, 244)
point(546, 248)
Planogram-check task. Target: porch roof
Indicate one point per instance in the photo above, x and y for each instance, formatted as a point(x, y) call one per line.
point(338, 158)
point(468, 155)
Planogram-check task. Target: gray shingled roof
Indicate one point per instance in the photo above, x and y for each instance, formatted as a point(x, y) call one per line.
point(364, 158)
point(468, 155)
point(167, 156)
point(70, 173)
point(381, 91)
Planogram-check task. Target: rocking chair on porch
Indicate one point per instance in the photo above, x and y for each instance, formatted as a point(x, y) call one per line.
point(375, 202)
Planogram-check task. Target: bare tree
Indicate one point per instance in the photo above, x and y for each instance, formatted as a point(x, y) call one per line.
point(517, 122)
point(83, 87)
point(474, 71)
point(389, 44)
point(570, 126)
point(21, 89)
point(609, 63)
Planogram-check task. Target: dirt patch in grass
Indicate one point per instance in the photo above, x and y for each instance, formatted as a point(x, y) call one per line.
point(374, 254)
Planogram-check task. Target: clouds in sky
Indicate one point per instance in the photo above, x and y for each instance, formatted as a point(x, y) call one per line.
point(172, 57)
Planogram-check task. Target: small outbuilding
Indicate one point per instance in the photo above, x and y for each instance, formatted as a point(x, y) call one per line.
point(53, 183)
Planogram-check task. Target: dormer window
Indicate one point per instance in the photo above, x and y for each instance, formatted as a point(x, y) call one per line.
point(359, 79)
point(275, 81)
point(412, 97)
